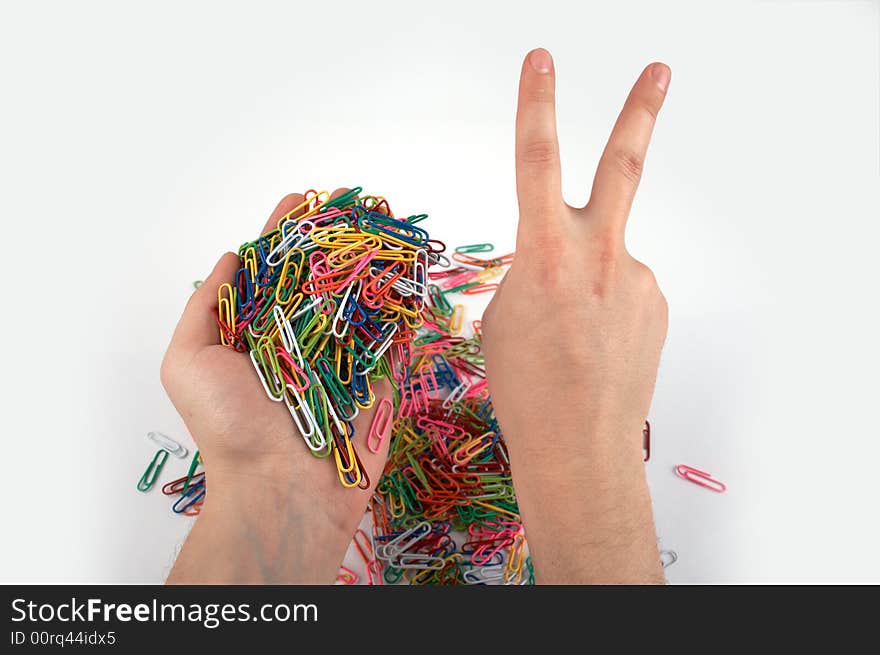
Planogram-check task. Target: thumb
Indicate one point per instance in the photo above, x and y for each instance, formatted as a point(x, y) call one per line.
point(197, 327)
point(374, 463)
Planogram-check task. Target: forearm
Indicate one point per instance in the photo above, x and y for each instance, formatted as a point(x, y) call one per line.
point(586, 509)
point(259, 533)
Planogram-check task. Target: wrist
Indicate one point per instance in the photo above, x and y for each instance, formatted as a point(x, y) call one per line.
point(606, 476)
point(587, 513)
point(604, 442)
point(283, 535)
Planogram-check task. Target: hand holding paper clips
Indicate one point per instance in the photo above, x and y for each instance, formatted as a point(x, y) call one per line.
point(572, 341)
point(272, 513)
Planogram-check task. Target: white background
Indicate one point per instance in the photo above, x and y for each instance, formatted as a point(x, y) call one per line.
point(136, 145)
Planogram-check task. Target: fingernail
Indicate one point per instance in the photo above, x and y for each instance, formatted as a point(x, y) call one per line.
point(661, 75)
point(541, 61)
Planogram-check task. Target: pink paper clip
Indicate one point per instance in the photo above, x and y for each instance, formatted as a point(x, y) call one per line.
point(406, 404)
point(699, 477)
point(374, 573)
point(381, 425)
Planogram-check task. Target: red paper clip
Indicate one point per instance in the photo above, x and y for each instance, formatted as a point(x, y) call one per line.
point(699, 477)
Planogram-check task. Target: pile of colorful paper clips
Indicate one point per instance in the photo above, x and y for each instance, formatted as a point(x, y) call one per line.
point(444, 511)
point(325, 303)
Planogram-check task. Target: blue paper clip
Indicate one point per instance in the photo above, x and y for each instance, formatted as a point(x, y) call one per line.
point(192, 495)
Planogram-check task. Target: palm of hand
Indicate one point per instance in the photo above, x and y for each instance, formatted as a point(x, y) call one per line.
point(241, 433)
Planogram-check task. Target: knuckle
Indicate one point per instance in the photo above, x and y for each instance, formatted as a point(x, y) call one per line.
point(543, 261)
point(659, 312)
point(646, 279)
point(663, 305)
point(538, 95)
point(608, 249)
point(629, 163)
point(651, 107)
point(604, 281)
point(601, 287)
point(545, 247)
point(541, 151)
point(607, 257)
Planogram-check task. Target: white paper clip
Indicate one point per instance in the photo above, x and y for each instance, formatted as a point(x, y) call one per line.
point(168, 444)
point(668, 558)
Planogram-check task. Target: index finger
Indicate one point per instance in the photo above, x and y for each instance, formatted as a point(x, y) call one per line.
point(538, 176)
point(197, 327)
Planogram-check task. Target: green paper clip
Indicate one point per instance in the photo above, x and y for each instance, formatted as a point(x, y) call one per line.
point(148, 479)
point(192, 469)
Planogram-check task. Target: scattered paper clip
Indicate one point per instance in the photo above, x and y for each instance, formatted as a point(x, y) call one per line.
point(190, 498)
point(668, 558)
point(699, 477)
point(193, 465)
point(347, 576)
point(169, 444)
point(178, 486)
point(148, 479)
